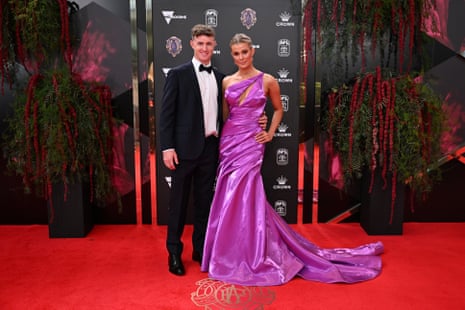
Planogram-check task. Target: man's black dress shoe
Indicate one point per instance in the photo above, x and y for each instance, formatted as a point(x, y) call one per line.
point(196, 256)
point(175, 265)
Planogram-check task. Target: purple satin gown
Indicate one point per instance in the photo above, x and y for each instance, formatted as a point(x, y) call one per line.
point(247, 242)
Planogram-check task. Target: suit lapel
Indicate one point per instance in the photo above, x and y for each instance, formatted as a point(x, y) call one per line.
point(196, 86)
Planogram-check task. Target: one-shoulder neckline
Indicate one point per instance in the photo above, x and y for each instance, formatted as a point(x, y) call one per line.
point(252, 77)
point(247, 79)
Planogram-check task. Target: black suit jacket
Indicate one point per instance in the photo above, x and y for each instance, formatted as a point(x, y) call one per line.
point(181, 117)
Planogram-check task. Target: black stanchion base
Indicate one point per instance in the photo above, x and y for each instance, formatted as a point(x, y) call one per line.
point(71, 218)
point(376, 208)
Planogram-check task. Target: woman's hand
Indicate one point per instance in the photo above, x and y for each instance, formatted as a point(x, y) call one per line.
point(263, 137)
point(263, 121)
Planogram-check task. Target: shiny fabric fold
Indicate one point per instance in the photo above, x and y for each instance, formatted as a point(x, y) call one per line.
point(247, 242)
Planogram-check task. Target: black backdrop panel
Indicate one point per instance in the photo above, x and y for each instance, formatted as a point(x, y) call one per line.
point(275, 30)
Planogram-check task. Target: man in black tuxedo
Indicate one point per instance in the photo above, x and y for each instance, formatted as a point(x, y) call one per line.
point(190, 121)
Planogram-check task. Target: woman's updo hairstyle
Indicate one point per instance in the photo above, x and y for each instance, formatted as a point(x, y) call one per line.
point(241, 38)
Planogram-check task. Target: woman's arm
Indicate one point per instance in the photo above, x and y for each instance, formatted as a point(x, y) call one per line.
point(273, 92)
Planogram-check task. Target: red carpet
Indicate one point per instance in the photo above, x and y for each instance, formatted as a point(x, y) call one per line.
point(125, 267)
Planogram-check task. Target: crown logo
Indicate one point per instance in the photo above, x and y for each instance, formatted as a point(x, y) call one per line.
point(282, 127)
point(285, 16)
point(283, 73)
point(282, 180)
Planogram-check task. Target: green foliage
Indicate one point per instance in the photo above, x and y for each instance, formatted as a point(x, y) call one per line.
point(61, 126)
point(38, 28)
point(61, 132)
point(421, 124)
point(397, 129)
point(354, 34)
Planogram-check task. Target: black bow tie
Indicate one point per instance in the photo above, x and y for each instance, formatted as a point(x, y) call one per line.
point(205, 68)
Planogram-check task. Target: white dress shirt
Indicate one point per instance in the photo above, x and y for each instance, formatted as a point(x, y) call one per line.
point(209, 93)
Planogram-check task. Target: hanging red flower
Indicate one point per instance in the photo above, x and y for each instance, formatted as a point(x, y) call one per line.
point(395, 126)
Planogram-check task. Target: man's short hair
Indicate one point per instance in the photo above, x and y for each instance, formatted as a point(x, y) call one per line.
point(202, 30)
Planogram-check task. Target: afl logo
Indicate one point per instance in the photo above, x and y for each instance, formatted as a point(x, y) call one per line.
point(248, 18)
point(173, 46)
point(211, 17)
point(282, 157)
point(280, 207)
point(284, 48)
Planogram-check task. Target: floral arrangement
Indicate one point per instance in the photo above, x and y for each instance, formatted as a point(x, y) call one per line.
point(356, 27)
point(389, 122)
point(379, 115)
point(61, 126)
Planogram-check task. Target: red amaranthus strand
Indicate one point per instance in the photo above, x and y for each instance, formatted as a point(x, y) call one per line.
point(103, 111)
point(308, 26)
point(376, 25)
point(308, 31)
point(391, 147)
point(412, 22)
point(391, 124)
point(104, 95)
point(375, 147)
point(374, 129)
point(379, 81)
point(64, 117)
point(65, 38)
point(370, 79)
point(362, 91)
point(27, 119)
point(393, 194)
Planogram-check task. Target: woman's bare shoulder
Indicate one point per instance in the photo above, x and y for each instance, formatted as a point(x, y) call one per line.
point(268, 77)
point(228, 80)
point(269, 80)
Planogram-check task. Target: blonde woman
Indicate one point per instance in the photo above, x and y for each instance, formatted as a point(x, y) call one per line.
point(247, 242)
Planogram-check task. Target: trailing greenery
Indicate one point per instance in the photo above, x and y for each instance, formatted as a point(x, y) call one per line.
point(38, 38)
point(394, 123)
point(61, 126)
point(61, 132)
point(349, 36)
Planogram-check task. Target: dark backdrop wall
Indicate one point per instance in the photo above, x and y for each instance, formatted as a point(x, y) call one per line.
point(104, 27)
point(274, 26)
